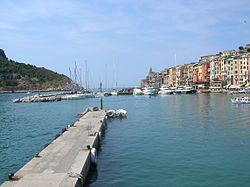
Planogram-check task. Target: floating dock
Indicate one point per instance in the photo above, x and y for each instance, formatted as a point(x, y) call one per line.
point(65, 162)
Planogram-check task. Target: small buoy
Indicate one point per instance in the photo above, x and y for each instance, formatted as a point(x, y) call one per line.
point(111, 113)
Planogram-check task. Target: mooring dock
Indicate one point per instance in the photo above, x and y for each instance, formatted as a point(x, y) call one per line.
point(65, 161)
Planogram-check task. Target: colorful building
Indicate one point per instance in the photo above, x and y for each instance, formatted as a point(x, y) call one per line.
point(224, 70)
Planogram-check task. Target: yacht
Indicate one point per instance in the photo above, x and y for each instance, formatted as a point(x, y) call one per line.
point(137, 91)
point(164, 90)
point(77, 96)
point(184, 90)
point(241, 100)
point(149, 91)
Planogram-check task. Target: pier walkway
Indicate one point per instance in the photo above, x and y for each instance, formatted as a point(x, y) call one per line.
point(65, 161)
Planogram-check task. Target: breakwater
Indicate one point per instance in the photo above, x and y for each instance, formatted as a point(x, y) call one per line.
point(66, 160)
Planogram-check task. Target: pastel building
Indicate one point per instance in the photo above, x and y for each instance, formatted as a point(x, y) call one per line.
point(228, 69)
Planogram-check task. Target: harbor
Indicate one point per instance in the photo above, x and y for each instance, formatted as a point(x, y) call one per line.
point(158, 127)
point(124, 93)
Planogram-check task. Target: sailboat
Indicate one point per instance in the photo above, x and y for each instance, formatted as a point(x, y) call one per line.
point(114, 92)
point(77, 93)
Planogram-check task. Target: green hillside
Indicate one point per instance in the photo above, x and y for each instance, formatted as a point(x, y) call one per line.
point(15, 76)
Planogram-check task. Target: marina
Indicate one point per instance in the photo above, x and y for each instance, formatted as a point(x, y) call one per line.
point(162, 127)
point(124, 93)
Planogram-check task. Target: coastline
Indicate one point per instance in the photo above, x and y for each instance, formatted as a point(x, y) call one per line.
point(24, 91)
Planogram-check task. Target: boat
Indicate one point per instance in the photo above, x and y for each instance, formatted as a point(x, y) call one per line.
point(137, 91)
point(184, 90)
point(164, 90)
point(241, 100)
point(107, 93)
point(111, 113)
point(149, 91)
point(114, 93)
point(76, 96)
point(121, 113)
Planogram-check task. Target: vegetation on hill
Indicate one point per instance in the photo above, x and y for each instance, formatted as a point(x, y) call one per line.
point(15, 76)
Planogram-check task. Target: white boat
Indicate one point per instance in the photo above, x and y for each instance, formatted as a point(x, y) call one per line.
point(184, 90)
point(241, 100)
point(149, 91)
point(76, 96)
point(114, 93)
point(164, 90)
point(137, 91)
point(121, 113)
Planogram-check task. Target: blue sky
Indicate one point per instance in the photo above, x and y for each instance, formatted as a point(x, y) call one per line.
point(120, 39)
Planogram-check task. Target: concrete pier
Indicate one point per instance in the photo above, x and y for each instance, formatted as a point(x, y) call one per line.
point(64, 162)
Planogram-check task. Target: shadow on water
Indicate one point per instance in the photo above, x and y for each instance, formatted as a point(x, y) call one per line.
point(92, 176)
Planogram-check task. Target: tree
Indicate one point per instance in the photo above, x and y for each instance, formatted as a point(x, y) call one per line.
point(2, 54)
point(241, 48)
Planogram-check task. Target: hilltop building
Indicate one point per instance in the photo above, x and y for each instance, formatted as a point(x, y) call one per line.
point(153, 79)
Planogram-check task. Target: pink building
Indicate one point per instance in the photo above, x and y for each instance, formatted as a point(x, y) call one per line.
point(205, 72)
point(195, 74)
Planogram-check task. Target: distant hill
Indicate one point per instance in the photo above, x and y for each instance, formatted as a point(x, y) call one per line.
point(15, 76)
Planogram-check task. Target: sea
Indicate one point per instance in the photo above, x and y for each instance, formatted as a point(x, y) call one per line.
point(174, 140)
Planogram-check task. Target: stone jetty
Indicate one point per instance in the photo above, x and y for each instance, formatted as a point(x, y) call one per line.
point(38, 98)
point(64, 162)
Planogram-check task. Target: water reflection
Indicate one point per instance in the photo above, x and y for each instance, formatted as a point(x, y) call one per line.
point(92, 176)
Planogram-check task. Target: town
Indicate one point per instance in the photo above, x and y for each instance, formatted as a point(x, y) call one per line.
point(225, 70)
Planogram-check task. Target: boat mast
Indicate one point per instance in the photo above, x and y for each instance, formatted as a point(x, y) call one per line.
point(86, 75)
point(75, 74)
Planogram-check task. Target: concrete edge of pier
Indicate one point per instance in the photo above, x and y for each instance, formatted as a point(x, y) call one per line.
point(66, 160)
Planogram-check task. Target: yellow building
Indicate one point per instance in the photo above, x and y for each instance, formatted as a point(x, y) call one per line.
point(200, 71)
point(171, 78)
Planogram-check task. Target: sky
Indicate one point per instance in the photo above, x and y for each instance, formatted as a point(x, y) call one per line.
point(120, 39)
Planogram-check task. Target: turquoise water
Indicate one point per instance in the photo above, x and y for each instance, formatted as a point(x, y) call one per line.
point(176, 140)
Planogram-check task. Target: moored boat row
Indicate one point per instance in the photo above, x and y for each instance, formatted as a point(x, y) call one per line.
point(164, 90)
